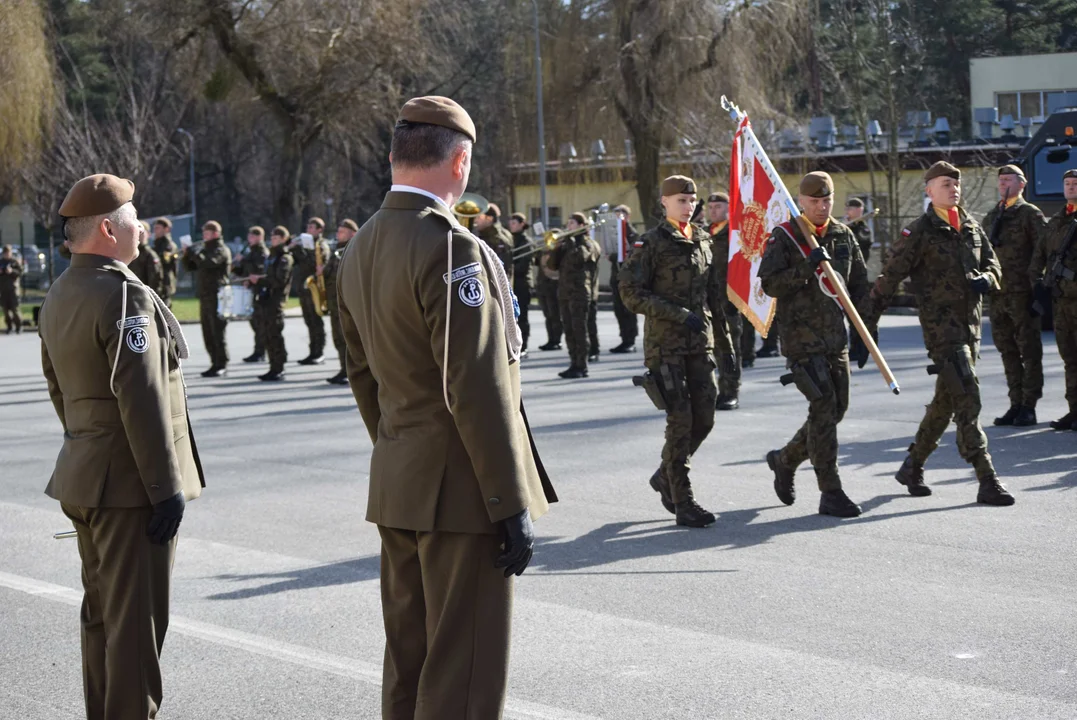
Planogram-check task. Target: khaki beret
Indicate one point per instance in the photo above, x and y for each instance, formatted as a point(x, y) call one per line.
point(163, 222)
point(623, 209)
point(316, 221)
point(493, 211)
point(281, 231)
point(1069, 174)
point(817, 184)
point(97, 195)
point(436, 110)
point(854, 202)
point(941, 169)
point(578, 217)
point(1012, 170)
point(519, 217)
point(257, 230)
point(213, 226)
point(718, 197)
point(678, 185)
point(350, 224)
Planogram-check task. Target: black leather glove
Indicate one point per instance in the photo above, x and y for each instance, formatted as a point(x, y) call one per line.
point(817, 256)
point(981, 284)
point(694, 322)
point(166, 518)
point(519, 536)
point(730, 366)
point(858, 349)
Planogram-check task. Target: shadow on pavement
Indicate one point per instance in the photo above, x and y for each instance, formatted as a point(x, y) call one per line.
point(340, 573)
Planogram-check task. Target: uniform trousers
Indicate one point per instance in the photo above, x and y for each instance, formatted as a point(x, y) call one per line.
point(1017, 336)
point(126, 581)
point(824, 381)
point(213, 331)
point(551, 309)
point(574, 315)
point(448, 615)
point(1065, 313)
point(338, 336)
point(523, 297)
point(592, 327)
point(627, 321)
point(258, 326)
point(689, 417)
point(9, 301)
point(273, 324)
point(315, 325)
point(729, 385)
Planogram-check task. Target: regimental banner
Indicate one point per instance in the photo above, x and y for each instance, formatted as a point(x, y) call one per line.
point(756, 207)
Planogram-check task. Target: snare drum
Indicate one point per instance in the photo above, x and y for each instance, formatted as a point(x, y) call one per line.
point(235, 302)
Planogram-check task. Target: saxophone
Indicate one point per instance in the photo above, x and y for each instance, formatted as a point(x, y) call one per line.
point(315, 284)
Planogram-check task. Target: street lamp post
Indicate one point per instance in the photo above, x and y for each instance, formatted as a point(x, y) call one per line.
point(541, 123)
point(190, 171)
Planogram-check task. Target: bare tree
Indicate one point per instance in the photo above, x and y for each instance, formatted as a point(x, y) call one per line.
point(26, 99)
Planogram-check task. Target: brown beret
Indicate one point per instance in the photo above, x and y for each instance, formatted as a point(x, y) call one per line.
point(941, 169)
point(1012, 170)
point(678, 185)
point(281, 231)
point(317, 221)
point(1069, 174)
point(519, 217)
point(350, 224)
point(436, 110)
point(163, 222)
point(97, 195)
point(718, 197)
point(579, 217)
point(817, 184)
point(623, 209)
point(493, 211)
point(854, 202)
point(212, 225)
point(257, 230)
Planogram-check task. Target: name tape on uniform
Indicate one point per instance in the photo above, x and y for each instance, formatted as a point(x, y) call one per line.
point(463, 272)
point(134, 321)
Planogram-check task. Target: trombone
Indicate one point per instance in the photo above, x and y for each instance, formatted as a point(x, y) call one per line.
point(549, 241)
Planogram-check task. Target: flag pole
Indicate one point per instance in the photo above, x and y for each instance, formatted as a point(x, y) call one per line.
point(739, 116)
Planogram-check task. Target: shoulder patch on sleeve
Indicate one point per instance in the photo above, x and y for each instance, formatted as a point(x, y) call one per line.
point(133, 321)
point(472, 292)
point(461, 273)
point(138, 340)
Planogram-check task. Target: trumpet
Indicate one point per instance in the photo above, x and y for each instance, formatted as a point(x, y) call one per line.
point(549, 241)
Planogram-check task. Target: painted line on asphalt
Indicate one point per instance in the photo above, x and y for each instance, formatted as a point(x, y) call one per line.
point(275, 649)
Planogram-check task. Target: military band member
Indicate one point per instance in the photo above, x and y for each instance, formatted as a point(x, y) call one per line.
point(213, 264)
point(10, 270)
point(855, 221)
point(306, 265)
point(271, 295)
point(166, 251)
point(253, 262)
point(433, 355)
point(489, 228)
point(1014, 228)
point(546, 284)
point(345, 232)
point(813, 337)
point(671, 279)
point(627, 321)
point(523, 276)
point(718, 227)
point(111, 352)
point(575, 259)
point(147, 265)
point(952, 266)
point(1054, 274)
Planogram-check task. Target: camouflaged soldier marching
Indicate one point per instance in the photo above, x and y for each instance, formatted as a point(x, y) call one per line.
point(213, 263)
point(813, 338)
point(671, 279)
point(147, 265)
point(488, 227)
point(718, 227)
point(523, 276)
point(10, 270)
point(1054, 273)
point(576, 261)
point(306, 265)
point(855, 221)
point(345, 233)
point(271, 294)
point(952, 265)
point(1014, 228)
point(166, 251)
point(627, 322)
point(253, 262)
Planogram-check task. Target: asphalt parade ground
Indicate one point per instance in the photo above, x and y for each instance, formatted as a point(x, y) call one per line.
point(921, 608)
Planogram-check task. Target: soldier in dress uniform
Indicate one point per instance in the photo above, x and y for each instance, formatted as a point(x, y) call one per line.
point(546, 283)
point(952, 266)
point(253, 262)
point(213, 263)
point(345, 232)
point(111, 352)
point(166, 251)
point(455, 481)
point(854, 220)
point(1014, 228)
point(523, 276)
point(306, 265)
point(627, 321)
point(147, 265)
point(575, 259)
point(10, 270)
point(489, 228)
point(271, 295)
point(718, 227)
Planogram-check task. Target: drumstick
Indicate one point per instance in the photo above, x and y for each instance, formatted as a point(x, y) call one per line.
point(64, 535)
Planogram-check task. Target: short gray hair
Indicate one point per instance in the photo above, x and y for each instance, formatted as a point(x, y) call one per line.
point(78, 229)
point(418, 145)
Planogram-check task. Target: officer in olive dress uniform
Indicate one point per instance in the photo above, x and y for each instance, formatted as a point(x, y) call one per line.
point(213, 263)
point(253, 262)
point(166, 250)
point(345, 233)
point(111, 352)
point(455, 480)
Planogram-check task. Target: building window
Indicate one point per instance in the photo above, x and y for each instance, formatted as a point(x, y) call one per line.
point(1029, 104)
point(1007, 105)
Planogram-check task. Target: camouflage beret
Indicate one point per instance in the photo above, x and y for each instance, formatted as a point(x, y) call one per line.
point(1070, 174)
point(678, 185)
point(212, 226)
point(440, 111)
point(97, 195)
point(854, 202)
point(941, 169)
point(350, 224)
point(281, 231)
point(817, 184)
point(257, 230)
point(316, 221)
point(163, 222)
point(623, 209)
point(519, 217)
point(718, 197)
point(578, 217)
point(493, 211)
point(1012, 170)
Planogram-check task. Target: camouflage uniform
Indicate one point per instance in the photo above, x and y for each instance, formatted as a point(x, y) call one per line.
point(1063, 292)
point(213, 264)
point(941, 263)
point(666, 278)
point(147, 268)
point(9, 293)
point(271, 294)
point(253, 262)
point(1017, 334)
point(813, 337)
point(862, 233)
point(329, 274)
point(576, 261)
point(305, 267)
point(501, 241)
point(523, 281)
point(166, 251)
point(546, 291)
point(728, 383)
point(627, 322)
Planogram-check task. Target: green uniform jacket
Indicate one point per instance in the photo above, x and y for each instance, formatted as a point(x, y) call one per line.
point(500, 239)
point(811, 322)
point(330, 276)
point(213, 264)
point(147, 268)
point(941, 263)
point(431, 469)
point(576, 262)
point(667, 277)
point(272, 290)
point(166, 250)
point(524, 261)
point(1018, 233)
point(863, 237)
point(118, 391)
point(306, 260)
point(251, 262)
point(9, 281)
point(1046, 253)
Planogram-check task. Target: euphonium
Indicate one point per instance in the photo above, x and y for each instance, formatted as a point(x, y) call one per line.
point(315, 284)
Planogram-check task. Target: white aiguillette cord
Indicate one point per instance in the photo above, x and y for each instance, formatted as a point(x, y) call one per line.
point(172, 325)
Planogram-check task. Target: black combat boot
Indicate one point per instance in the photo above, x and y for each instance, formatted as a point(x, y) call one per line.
point(550, 346)
point(1009, 416)
point(594, 356)
point(1066, 422)
point(690, 514)
point(727, 403)
point(341, 378)
point(573, 373)
point(215, 372)
point(838, 504)
point(992, 492)
point(783, 478)
point(1026, 417)
point(911, 476)
point(211, 372)
point(767, 351)
point(661, 487)
point(625, 347)
point(272, 376)
point(313, 360)
point(254, 357)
